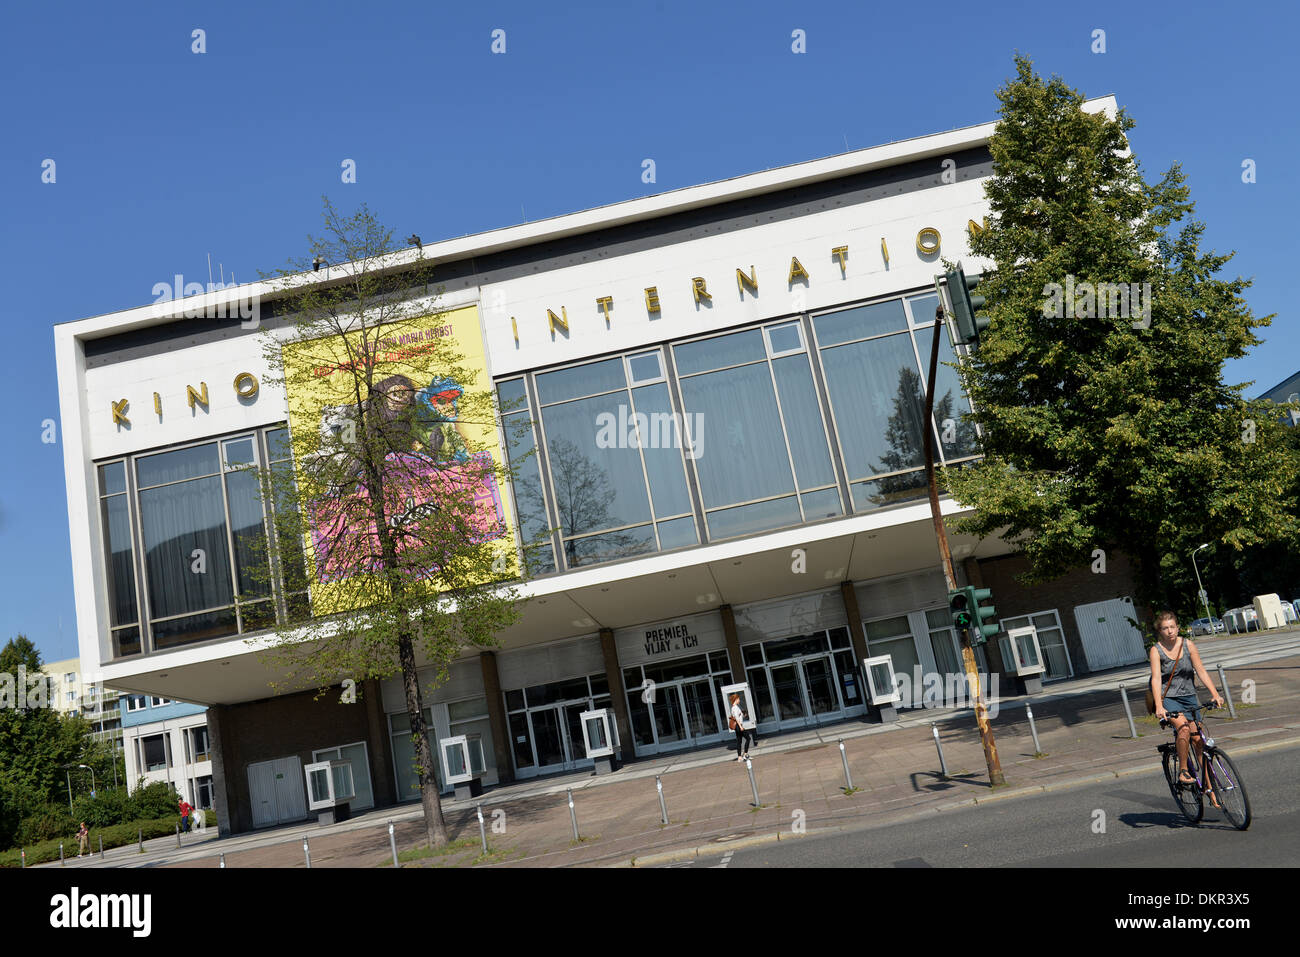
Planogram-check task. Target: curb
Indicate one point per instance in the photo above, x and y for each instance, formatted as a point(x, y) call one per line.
point(759, 840)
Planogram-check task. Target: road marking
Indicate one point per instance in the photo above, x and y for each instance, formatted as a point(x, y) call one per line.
point(726, 859)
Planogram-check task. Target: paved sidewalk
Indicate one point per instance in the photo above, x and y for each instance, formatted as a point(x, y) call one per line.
point(1082, 731)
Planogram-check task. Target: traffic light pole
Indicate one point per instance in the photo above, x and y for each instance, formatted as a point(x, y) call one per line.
point(945, 554)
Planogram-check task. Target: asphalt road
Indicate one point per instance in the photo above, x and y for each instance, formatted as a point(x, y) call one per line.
point(1128, 822)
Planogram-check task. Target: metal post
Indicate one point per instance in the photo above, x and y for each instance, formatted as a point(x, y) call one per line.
point(1029, 712)
point(178, 835)
point(24, 856)
point(139, 836)
point(943, 767)
point(307, 851)
point(573, 815)
point(68, 779)
point(749, 766)
point(1128, 712)
point(222, 861)
point(482, 829)
point(848, 778)
point(663, 808)
point(101, 847)
point(61, 854)
point(392, 842)
point(1227, 693)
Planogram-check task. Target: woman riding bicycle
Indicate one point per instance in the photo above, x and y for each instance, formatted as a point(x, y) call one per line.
point(1179, 704)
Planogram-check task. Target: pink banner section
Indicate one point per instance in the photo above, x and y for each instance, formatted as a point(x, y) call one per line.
point(343, 530)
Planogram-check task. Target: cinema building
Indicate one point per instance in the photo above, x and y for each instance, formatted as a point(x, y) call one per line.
point(724, 388)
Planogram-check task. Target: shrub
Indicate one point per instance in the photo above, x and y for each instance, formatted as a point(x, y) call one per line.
point(153, 801)
point(116, 836)
point(107, 807)
point(49, 823)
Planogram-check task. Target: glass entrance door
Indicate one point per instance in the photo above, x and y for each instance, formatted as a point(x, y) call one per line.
point(573, 725)
point(701, 714)
point(787, 690)
point(547, 738)
point(819, 686)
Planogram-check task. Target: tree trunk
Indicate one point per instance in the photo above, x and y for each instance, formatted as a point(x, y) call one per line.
point(435, 826)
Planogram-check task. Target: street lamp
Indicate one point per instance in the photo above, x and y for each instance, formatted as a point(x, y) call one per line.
point(92, 777)
point(1204, 598)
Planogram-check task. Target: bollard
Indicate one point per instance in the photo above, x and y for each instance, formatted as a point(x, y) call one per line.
point(222, 861)
point(307, 851)
point(24, 854)
point(663, 808)
point(1033, 730)
point(392, 842)
point(573, 815)
point(749, 766)
point(1227, 692)
point(943, 767)
point(178, 835)
point(482, 830)
point(848, 778)
point(139, 836)
point(101, 847)
point(61, 854)
point(1128, 712)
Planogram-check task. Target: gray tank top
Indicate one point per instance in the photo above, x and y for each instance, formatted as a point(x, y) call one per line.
point(1184, 680)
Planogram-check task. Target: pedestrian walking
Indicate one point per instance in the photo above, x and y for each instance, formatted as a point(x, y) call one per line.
point(185, 815)
point(744, 736)
point(83, 839)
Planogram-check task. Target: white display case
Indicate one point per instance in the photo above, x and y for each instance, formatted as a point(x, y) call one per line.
point(882, 686)
point(746, 704)
point(462, 757)
point(599, 733)
point(329, 784)
point(1021, 652)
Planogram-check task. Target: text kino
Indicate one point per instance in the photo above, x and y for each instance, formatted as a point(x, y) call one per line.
point(245, 386)
point(676, 638)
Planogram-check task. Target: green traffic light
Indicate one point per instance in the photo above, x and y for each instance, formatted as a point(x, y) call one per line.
point(964, 306)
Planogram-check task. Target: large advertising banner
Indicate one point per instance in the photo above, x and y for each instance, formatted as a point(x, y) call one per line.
point(431, 458)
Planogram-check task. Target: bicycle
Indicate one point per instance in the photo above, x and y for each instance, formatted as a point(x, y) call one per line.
point(1219, 775)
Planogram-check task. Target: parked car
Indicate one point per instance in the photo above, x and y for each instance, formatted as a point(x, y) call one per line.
point(1208, 626)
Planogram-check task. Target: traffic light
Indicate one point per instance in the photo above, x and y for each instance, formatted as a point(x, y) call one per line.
point(985, 616)
point(959, 605)
point(964, 307)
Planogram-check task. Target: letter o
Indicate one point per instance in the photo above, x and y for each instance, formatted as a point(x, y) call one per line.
point(927, 241)
point(245, 385)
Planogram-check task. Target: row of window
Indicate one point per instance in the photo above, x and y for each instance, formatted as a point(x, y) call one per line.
point(186, 539)
point(153, 752)
point(730, 435)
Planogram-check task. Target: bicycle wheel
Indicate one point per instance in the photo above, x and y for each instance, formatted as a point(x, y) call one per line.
point(1222, 775)
point(1188, 797)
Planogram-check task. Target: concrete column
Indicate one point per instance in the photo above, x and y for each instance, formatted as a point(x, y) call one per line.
point(497, 717)
point(733, 644)
point(383, 780)
point(856, 634)
point(223, 770)
point(617, 695)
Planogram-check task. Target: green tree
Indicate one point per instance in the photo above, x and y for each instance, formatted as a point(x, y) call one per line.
point(36, 742)
point(378, 521)
point(1108, 425)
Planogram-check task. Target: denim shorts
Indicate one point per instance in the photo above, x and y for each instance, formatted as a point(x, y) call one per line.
point(1189, 705)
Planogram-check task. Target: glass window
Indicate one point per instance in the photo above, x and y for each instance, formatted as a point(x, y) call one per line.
point(590, 379)
point(860, 323)
point(239, 452)
point(175, 466)
point(135, 702)
point(530, 503)
point(467, 710)
point(876, 393)
point(719, 352)
point(661, 448)
point(744, 452)
point(905, 487)
point(153, 752)
point(112, 478)
point(277, 442)
point(803, 421)
point(786, 338)
point(646, 367)
point(512, 395)
point(598, 479)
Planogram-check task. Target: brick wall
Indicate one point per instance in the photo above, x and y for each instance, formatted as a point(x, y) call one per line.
point(1078, 587)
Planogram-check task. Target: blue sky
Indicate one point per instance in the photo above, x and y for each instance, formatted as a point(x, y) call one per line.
point(163, 155)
